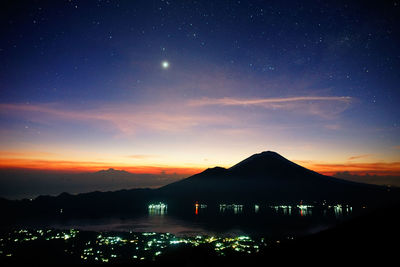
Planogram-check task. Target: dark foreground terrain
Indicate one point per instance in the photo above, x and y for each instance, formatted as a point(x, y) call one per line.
point(373, 236)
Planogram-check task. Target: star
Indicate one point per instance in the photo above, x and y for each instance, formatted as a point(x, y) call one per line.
point(165, 64)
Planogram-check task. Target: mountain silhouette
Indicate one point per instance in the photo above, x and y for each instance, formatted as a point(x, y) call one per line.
point(270, 163)
point(112, 171)
point(268, 176)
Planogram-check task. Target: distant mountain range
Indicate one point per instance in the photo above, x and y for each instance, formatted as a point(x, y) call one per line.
point(264, 177)
point(28, 183)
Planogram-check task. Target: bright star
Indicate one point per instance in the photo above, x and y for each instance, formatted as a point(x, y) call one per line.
point(165, 64)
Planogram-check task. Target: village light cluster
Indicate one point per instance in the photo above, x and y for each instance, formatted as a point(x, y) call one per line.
point(148, 246)
point(114, 247)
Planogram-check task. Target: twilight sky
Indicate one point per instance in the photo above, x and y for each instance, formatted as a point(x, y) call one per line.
point(174, 87)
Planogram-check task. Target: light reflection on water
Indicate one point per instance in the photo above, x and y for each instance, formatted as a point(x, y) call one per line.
point(188, 227)
point(158, 209)
point(229, 220)
point(337, 210)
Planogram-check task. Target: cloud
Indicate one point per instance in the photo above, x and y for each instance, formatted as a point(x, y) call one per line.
point(369, 179)
point(359, 156)
point(26, 153)
point(173, 116)
point(140, 156)
point(127, 119)
point(333, 127)
point(322, 106)
point(374, 168)
point(265, 102)
point(52, 164)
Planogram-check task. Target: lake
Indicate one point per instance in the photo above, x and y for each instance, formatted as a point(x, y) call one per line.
point(233, 219)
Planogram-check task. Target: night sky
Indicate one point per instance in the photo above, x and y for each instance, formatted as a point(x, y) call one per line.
point(179, 86)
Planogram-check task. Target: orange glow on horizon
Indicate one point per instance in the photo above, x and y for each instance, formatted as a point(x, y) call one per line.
point(76, 167)
point(359, 168)
point(374, 168)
